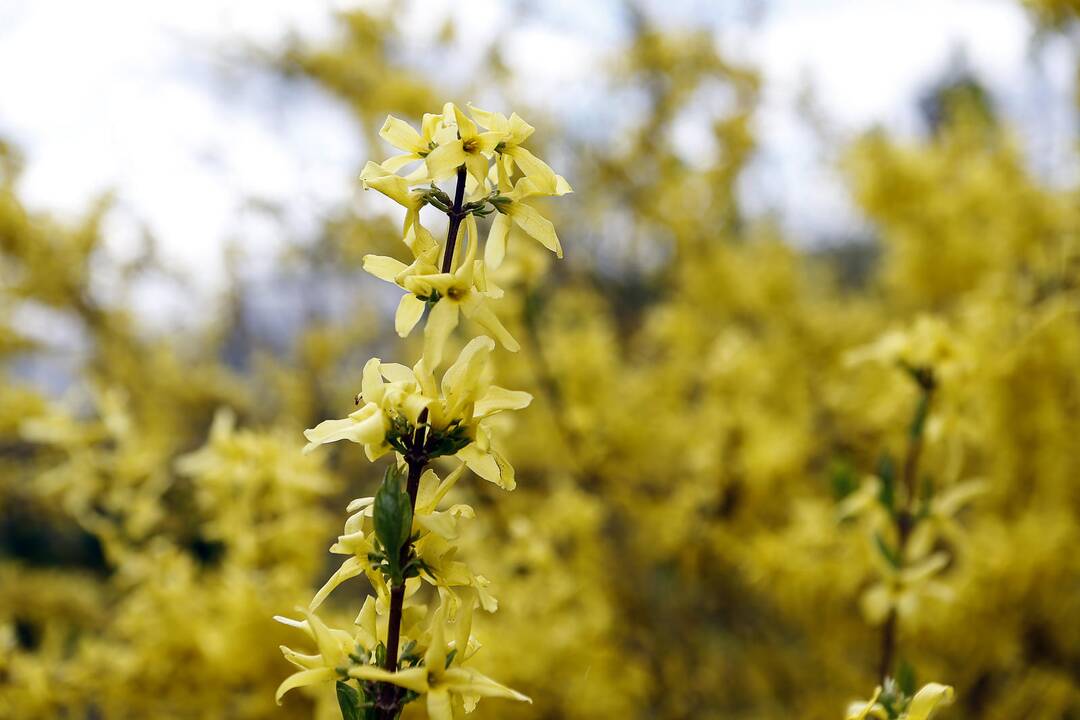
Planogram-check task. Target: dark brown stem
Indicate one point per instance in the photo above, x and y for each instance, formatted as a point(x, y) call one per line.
point(905, 516)
point(456, 216)
point(389, 693)
point(389, 701)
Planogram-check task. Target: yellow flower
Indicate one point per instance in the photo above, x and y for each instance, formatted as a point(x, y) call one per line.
point(513, 131)
point(514, 214)
point(920, 707)
point(471, 148)
point(939, 522)
point(464, 401)
point(376, 177)
point(333, 647)
point(417, 145)
point(902, 589)
point(447, 685)
point(464, 290)
point(384, 399)
point(468, 399)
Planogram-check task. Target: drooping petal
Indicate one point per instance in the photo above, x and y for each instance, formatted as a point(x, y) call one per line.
point(495, 250)
point(367, 632)
point(487, 466)
point(303, 679)
point(535, 168)
point(409, 312)
point(349, 569)
point(478, 166)
point(439, 706)
point(536, 225)
point(441, 322)
point(478, 311)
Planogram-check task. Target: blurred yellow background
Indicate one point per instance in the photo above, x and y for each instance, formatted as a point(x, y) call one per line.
point(675, 547)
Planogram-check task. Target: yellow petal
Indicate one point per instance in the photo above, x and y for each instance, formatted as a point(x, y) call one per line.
point(478, 311)
point(473, 682)
point(438, 705)
point(304, 678)
point(349, 569)
point(402, 135)
point(444, 160)
point(478, 167)
point(536, 225)
point(518, 129)
point(395, 163)
point(371, 429)
point(495, 250)
point(441, 322)
point(409, 312)
point(384, 268)
point(928, 699)
point(414, 679)
point(497, 399)
point(485, 465)
point(536, 169)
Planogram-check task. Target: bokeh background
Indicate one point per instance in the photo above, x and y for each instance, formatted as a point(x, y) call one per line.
point(762, 188)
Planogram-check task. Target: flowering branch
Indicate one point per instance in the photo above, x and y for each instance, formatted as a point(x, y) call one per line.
point(904, 517)
point(400, 539)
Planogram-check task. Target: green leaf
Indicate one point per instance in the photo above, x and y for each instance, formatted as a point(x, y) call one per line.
point(887, 473)
point(349, 701)
point(918, 421)
point(392, 514)
point(887, 552)
point(843, 478)
point(905, 678)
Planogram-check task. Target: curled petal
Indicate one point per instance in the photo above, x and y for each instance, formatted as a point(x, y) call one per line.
point(304, 678)
point(928, 699)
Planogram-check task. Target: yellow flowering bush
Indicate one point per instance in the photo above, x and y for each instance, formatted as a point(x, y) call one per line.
point(756, 477)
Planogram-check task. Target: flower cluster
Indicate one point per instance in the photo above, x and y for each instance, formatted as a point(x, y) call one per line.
point(400, 539)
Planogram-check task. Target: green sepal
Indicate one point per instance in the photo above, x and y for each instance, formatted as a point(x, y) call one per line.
point(890, 555)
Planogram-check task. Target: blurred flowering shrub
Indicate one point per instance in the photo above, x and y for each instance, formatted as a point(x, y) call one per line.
point(698, 526)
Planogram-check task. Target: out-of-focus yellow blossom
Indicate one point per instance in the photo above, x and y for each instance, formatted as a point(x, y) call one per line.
point(904, 588)
point(892, 705)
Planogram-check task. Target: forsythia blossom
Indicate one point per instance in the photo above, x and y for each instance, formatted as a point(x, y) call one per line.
point(402, 537)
